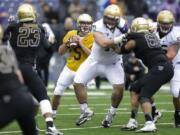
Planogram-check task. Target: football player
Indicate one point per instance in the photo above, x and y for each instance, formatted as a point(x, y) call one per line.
point(103, 61)
point(170, 38)
point(25, 37)
point(15, 101)
point(146, 47)
point(78, 44)
point(132, 123)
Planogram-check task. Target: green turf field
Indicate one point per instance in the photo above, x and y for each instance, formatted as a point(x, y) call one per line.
point(99, 101)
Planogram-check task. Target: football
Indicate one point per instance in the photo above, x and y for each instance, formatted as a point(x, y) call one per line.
point(73, 41)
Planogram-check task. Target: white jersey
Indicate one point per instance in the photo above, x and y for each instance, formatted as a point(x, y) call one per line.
point(102, 54)
point(172, 38)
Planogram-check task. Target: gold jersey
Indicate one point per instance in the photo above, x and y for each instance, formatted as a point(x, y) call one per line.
point(77, 55)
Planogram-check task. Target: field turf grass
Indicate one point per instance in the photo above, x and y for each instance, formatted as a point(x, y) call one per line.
point(99, 101)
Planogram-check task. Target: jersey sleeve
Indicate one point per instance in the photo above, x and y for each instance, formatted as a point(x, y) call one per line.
point(175, 37)
point(123, 26)
point(98, 27)
point(44, 40)
point(8, 30)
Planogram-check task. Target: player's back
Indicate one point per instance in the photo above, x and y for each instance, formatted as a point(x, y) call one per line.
point(148, 48)
point(25, 39)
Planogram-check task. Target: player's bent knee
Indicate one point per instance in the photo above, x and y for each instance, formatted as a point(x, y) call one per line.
point(175, 93)
point(175, 88)
point(144, 99)
point(59, 90)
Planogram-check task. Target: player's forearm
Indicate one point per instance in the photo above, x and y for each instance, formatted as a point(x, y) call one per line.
point(102, 40)
point(62, 49)
point(172, 51)
point(85, 49)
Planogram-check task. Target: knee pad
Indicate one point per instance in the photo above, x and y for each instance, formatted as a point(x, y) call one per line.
point(45, 106)
point(59, 90)
point(175, 88)
point(144, 99)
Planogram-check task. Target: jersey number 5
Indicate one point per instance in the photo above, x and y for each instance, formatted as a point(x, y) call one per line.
point(28, 37)
point(78, 54)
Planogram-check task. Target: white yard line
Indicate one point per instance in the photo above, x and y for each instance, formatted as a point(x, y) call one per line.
point(123, 112)
point(107, 86)
point(123, 104)
point(82, 128)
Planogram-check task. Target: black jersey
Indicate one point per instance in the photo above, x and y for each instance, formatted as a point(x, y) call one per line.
point(148, 48)
point(25, 39)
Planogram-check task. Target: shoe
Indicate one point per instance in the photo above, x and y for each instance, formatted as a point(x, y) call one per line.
point(177, 120)
point(53, 131)
point(157, 116)
point(149, 126)
point(85, 116)
point(106, 123)
point(131, 125)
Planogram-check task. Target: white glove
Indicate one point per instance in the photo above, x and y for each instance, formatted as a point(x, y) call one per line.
point(51, 39)
point(119, 39)
point(11, 18)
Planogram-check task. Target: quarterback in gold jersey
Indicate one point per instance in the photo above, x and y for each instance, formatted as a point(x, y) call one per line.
point(78, 44)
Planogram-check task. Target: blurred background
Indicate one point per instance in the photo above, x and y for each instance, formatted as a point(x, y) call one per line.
point(61, 15)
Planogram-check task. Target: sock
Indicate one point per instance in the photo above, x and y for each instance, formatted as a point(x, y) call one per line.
point(112, 110)
point(177, 113)
point(83, 107)
point(134, 114)
point(154, 110)
point(49, 122)
point(148, 117)
point(54, 112)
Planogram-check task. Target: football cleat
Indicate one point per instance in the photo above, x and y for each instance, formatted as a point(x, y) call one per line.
point(157, 116)
point(177, 120)
point(53, 131)
point(131, 125)
point(106, 123)
point(149, 126)
point(85, 116)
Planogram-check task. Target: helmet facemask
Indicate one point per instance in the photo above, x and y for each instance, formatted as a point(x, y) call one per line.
point(85, 27)
point(165, 27)
point(111, 22)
